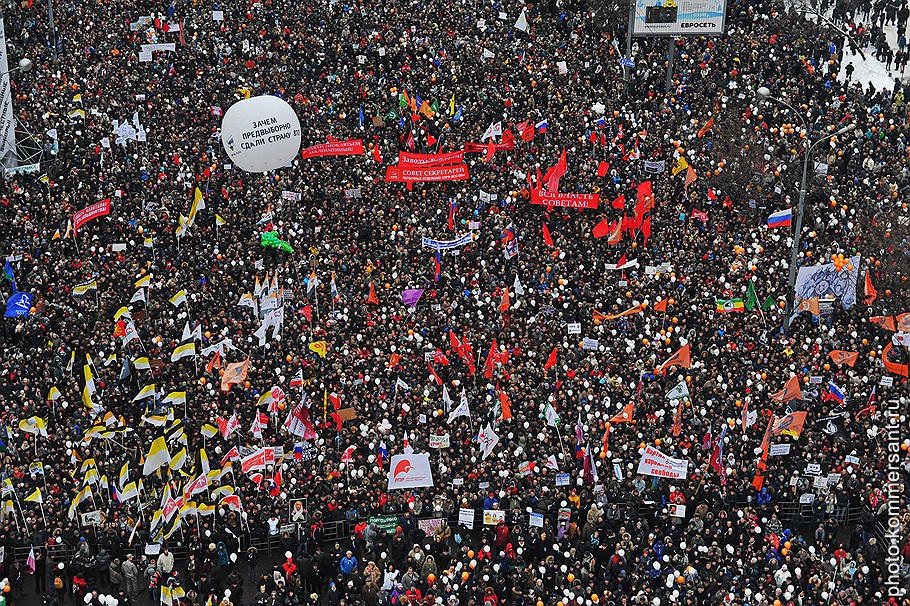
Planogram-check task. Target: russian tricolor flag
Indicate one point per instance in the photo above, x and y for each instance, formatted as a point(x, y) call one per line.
point(541, 126)
point(834, 393)
point(781, 218)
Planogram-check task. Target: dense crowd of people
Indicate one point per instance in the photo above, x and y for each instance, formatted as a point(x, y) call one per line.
point(822, 520)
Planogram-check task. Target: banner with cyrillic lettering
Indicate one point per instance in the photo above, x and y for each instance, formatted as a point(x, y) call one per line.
point(399, 174)
point(409, 159)
point(447, 244)
point(98, 209)
point(481, 148)
point(353, 147)
point(655, 463)
point(548, 198)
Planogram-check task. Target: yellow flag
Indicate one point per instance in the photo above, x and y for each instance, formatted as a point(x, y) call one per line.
point(318, 347)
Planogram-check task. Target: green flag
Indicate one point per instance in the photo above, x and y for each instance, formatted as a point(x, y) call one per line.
point(435, 107)
point(751, 301)
point(768, 304)
point(392, 115)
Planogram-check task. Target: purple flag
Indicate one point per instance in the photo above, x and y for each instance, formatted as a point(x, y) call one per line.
point(410, 297)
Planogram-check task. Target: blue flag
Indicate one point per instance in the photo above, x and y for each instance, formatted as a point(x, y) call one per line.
point(457, 116)
point(20, 304)
point(8, 274)
point(360, 119)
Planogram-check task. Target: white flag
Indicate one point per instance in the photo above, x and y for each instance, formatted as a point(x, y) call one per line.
point(462, 410)
point(679, 392)
point(517, 287)
point(139, 296)
point(402, 384)
point(488, 440)
point(522, 22)
point(495, 130)
point(550, 415)
point(551, 462)
point(446, 399)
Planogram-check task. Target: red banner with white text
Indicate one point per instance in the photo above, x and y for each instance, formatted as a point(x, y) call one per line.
point(580, 201)
point(354, 147)
point(98, 209)
point(409, 159)
point(398, 174)
point(481, 148)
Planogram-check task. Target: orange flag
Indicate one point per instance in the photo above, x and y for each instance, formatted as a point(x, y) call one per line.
point(373, 298)
point(625, 416)
point(605, 439)
point(886, 322)
point(631, 311)
point(871, 293)
point(504, 304)
point(677, 420)
point(680, 358)
point(661, 305)
point(898, 369)
point(704, 129)
point(791, 391)
point(791, 424)
point(506, 405)
point(235, 373)
point(690, 177)
point(394, 360)
point(215, 362)
point(903, 322)
point(810, 305)
point(840, 357)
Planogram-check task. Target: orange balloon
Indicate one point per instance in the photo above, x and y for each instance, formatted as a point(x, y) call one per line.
point(471, 554)
point(571, 577)
point(465, 576)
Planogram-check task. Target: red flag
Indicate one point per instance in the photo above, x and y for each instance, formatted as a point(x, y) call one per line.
point(546, 235)
point(661, 305)
point(616, 236)
point(508, 137)
point(490, 364)
point(373, 298)
point(646, 230)
point(871, 294)
point(307, 313)
point(526, 130)
point(504, 303)
point(431, 140)
point(551, 361)
point(622, 261)
point(603, 168)
point(394, 360)
point(376, 155)
point(454, 342)
point(593, 138)
point(555, 173)
point(620, 202)
point(645, 196)
point(433, 373)
point(491, 150)
point(440, 358)
point(602, 229)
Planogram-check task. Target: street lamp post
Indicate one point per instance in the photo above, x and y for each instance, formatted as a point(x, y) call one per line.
point(763, 94)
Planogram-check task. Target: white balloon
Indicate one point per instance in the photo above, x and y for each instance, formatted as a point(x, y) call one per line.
point(261, 133)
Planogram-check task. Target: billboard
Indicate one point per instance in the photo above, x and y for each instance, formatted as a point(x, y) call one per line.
point(8, 157)
point(679, 17)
